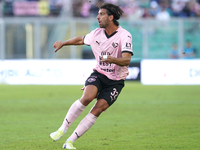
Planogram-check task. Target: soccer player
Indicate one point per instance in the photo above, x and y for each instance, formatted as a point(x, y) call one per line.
point(112, 48)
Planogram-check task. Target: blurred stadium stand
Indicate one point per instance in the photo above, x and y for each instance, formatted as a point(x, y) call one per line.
point(31, 34)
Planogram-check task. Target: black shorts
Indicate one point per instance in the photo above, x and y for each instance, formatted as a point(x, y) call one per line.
point(107, 89)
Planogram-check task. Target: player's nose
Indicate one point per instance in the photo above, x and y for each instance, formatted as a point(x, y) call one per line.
point(98, 17)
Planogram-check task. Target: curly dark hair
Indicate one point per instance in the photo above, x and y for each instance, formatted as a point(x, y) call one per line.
point(114, 10)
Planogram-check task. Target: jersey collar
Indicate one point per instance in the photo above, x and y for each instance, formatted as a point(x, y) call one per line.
point(108, 36)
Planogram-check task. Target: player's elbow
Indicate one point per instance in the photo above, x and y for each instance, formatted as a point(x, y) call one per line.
point(128, 60)
point(126, 57)
point(79, 43)
point(79, 40)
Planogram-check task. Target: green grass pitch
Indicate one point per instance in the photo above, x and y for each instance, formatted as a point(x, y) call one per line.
point(143, 118)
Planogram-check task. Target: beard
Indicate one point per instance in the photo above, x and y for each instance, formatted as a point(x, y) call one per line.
point(103, 24)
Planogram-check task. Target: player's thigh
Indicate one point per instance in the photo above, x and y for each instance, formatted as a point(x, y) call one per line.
point(89, 93)
point(99, 107)
point(94, 79)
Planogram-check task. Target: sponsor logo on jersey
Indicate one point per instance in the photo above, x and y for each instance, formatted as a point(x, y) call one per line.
point(98, 42)
point(128, 46)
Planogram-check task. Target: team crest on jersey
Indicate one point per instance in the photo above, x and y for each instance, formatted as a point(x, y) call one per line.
point(91, 80)
point(115, 45)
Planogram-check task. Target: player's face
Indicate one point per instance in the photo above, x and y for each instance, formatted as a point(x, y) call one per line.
point(102, 18)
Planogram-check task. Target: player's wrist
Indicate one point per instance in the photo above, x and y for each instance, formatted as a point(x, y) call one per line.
point(63, 43)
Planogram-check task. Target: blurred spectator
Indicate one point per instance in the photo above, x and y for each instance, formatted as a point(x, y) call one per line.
point(189, 51)
point(132, 9)
point(76, 6)
point(111, 1)
point(94, 9)
point(195, 7)
point(187, 10)
point(85, 8)
point(163, 14)
point(158, 1)
point(174, 53)
point(154, 8)
point(8, 1)
point(146, 13)
point(55, 2)
point(177, 7)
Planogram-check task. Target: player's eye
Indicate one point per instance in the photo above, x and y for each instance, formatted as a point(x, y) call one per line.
point(101, 14)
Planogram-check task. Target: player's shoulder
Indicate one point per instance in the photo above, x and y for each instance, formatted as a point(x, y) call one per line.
point(95, 32)
point(124, 32)
point(98, 30)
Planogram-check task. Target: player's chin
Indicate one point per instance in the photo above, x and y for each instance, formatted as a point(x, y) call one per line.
point(101, 26)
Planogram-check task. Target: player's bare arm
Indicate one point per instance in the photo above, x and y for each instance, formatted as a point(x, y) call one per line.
point(123, 61)
point(74, 41)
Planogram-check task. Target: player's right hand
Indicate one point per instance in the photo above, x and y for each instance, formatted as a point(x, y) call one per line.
point(57, 45)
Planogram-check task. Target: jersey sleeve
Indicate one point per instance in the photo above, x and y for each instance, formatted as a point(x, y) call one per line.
point(88, 38)
point(127, 43)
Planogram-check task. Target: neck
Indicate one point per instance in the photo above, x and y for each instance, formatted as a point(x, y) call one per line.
point(111, 29)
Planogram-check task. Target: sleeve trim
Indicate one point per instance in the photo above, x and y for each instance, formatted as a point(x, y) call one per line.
point(128, 52)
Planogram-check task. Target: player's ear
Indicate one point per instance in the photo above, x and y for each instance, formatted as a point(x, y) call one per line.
point(111, 17)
